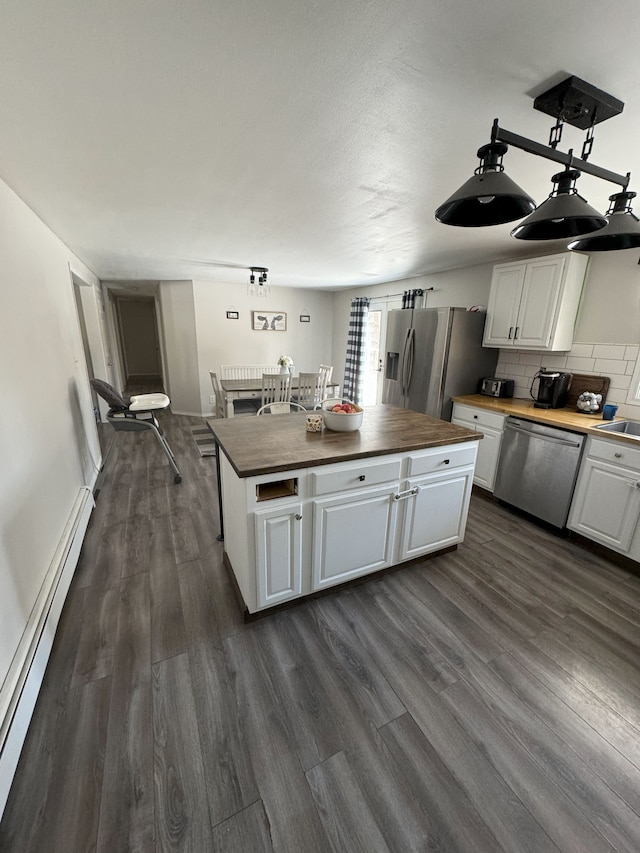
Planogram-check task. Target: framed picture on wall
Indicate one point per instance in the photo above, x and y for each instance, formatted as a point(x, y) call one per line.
point(269, 321)
point(305, 318)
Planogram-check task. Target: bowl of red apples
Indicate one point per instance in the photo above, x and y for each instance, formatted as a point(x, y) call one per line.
point(341, 415)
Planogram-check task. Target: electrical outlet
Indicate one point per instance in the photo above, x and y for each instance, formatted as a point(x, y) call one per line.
point(212, 398)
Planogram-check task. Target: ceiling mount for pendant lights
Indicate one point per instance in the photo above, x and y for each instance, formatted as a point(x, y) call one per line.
point(490, 197)
point(258, 285)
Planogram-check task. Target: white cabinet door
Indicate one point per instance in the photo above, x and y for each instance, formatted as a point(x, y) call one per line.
point(606, 504)
point(533, 304)
point(504, 302)
point(353, 535)
point(488, 447)
point(435, 517)
point(487, 459)
point(278, 554)
point(539, 302)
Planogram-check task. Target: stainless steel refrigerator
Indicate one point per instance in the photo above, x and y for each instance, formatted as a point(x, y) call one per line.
point(432, 355)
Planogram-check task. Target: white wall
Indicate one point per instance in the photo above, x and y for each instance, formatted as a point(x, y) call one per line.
point(222, 341)
point(49, 446)
point(455, 288)
point(180, 346)
point(610, 308)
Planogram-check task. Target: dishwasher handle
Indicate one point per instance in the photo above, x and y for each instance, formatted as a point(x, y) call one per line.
point(544, 437)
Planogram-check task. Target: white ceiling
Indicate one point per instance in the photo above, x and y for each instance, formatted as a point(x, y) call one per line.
point(313, 137)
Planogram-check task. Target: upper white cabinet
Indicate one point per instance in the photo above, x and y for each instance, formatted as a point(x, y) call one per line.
point(533, 304)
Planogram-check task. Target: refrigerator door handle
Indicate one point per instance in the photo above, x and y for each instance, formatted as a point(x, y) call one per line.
point(407, 361)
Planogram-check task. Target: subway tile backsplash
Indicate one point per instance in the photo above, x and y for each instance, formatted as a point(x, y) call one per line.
point(617, 361)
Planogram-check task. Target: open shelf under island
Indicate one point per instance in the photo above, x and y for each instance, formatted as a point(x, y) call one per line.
point(306, 511)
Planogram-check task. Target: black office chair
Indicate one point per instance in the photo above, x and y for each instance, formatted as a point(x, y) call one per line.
point(133, 414)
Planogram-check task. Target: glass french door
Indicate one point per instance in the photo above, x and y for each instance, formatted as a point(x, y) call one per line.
point(374, 351)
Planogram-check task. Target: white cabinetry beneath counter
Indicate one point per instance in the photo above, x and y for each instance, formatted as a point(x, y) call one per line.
point(491, 425)
point(293, 533)
point(533, 304)
point(606, 501)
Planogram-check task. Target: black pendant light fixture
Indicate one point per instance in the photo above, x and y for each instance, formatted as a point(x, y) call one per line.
point(564, 214)
point(622, 232)
point(490, 197)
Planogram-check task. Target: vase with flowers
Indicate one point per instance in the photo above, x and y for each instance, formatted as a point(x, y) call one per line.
point(286, 364)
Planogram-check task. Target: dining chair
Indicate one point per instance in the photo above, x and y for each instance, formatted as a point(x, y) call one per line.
point(310, 389)
point(327, 371)
point(221, 409)
point(276, 388)
point(280, 409)
point(240, 407)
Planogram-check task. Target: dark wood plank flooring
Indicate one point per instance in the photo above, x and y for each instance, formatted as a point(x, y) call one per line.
point(484, 701)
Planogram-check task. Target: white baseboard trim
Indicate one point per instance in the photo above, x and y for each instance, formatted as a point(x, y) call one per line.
point(21, 686)
point(191, 414)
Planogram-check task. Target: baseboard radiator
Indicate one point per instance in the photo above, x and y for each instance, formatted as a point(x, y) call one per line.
point(20, 689)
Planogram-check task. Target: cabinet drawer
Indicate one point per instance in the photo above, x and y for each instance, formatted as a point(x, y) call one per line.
point(617, 452)
point(443, 458)
point(340, 478)
point(478, 416)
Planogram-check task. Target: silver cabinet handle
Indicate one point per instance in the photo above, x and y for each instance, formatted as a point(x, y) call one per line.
point(618, 455)
point(409, 493)
point(515, 337)
point(362, 478)
point(510, 332)
point(298, 517)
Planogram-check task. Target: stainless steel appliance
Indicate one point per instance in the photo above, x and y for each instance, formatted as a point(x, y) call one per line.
point(538, 468)
point(433, 354)
point(553, 389)
point(493, 386)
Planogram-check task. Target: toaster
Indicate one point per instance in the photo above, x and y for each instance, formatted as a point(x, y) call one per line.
point(492, 386)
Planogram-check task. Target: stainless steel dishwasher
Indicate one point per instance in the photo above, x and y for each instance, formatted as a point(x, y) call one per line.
point(538, 468)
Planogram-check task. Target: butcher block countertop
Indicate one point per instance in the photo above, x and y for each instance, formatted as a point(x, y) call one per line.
point(564, 418)
point(270, 443)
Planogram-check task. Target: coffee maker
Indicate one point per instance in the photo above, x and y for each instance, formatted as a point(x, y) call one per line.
point(553, 389)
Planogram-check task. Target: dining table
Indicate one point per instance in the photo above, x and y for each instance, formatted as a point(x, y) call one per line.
point(251, 389)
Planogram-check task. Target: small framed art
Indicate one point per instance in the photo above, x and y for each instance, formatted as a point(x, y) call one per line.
point(305, 318)
point(232, 315)
point(269, 321)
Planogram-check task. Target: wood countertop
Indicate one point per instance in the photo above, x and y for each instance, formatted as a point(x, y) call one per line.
point(269, 443)
point(564, 418)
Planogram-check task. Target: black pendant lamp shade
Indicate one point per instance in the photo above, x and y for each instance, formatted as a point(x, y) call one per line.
point(622, 232)
point(564, 214)
point(488, 198)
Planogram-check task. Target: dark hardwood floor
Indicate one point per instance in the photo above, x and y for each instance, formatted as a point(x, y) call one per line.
point(484, 701)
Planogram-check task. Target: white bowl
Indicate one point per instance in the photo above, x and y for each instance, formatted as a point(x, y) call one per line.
point(340, 422)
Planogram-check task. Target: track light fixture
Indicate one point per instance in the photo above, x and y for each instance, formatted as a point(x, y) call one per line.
point(490, 197)
point(261, 286)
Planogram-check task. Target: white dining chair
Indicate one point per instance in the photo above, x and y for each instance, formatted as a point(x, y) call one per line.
point(327, 372)
point(280, 409)
point(276, 388)
point(240, 407)
point(310, 390)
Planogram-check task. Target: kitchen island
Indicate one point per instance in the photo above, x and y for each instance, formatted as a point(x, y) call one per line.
point(306, 511)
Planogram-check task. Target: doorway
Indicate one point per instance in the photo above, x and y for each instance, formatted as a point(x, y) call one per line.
point(375, 337)
point(139, 344)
